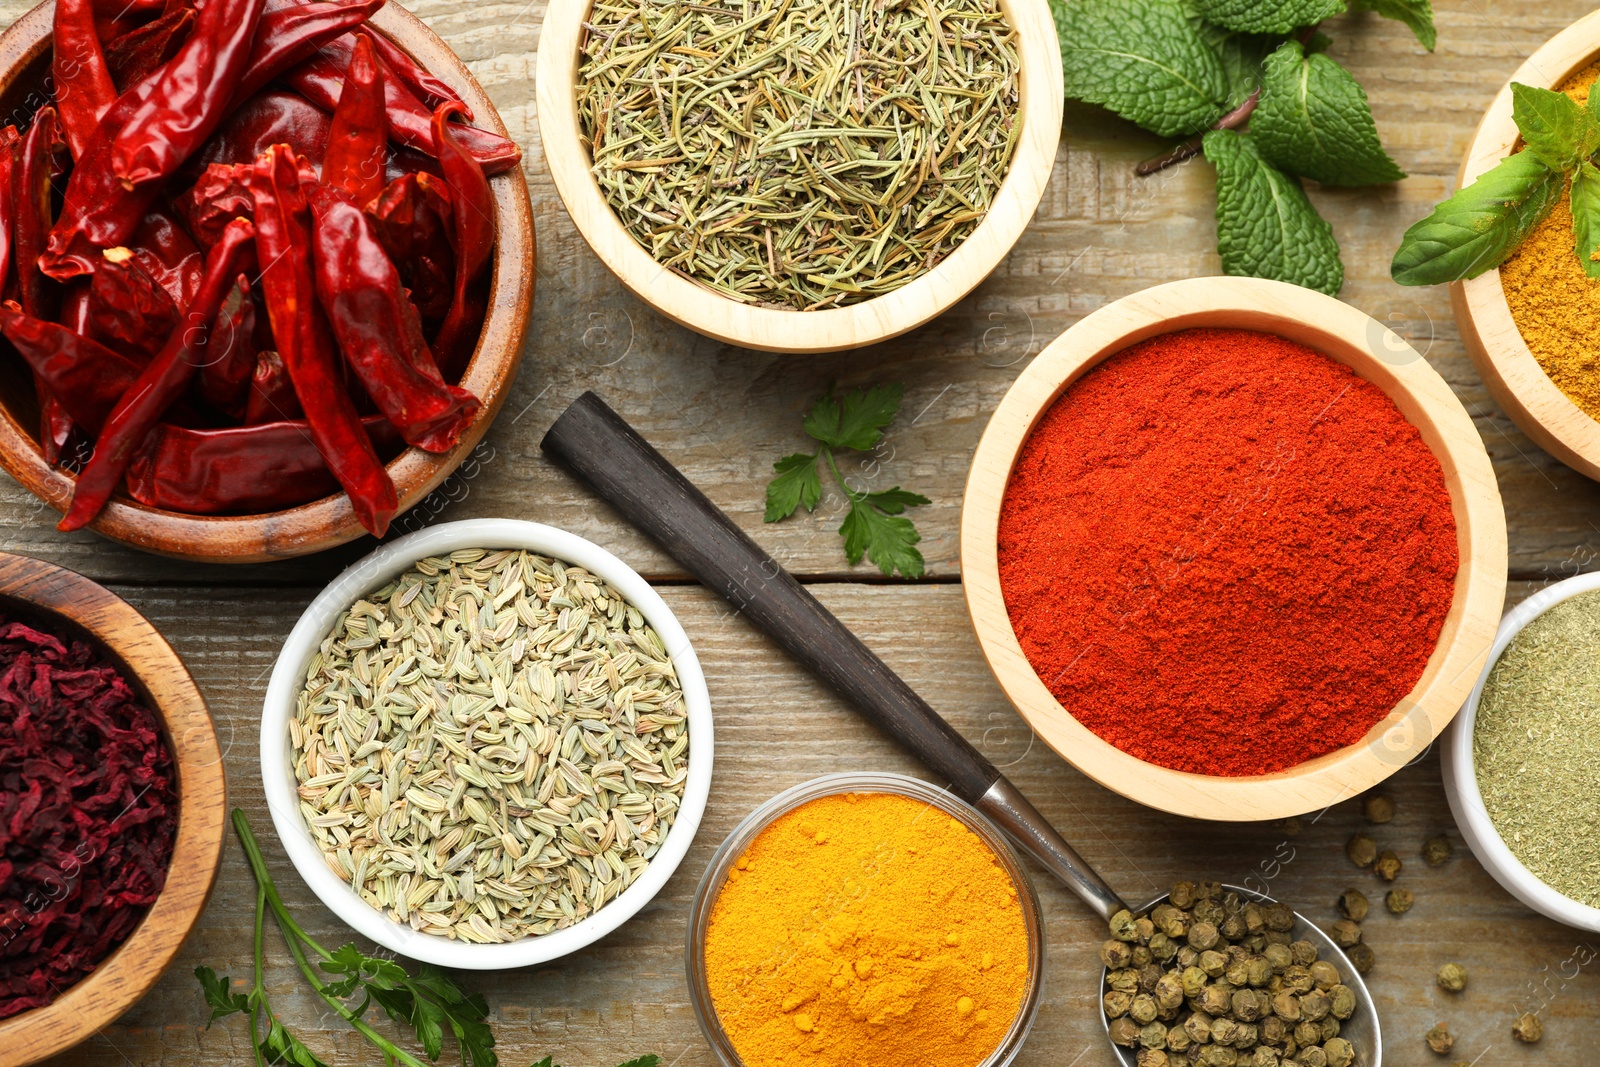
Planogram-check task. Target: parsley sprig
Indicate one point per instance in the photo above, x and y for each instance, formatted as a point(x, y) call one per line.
point(876, 525)
point(351, 982)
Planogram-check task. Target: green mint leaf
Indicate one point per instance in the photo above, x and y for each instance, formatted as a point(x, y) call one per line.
point(798, 482)
point(1586, 217)
point(896, 500)
point(1313, 120)
point(280, 1046)
point(1242, 56)
point(1418, 14)
point(1477, 228)
point(222, 1002)
point(857, 422)
point(648, 1060)
point(1553, 125)
point(888, 540)
point(1266, 228)
point(1142, 59)
point(1267, 16)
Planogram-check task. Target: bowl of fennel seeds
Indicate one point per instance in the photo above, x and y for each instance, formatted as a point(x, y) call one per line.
point(803, 176)
point(487, 744)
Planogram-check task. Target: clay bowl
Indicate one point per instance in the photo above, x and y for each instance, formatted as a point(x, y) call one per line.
point(1375, 353)
point(325, 523)
point(778, 330)
point(68, 604)
point(1519, 386)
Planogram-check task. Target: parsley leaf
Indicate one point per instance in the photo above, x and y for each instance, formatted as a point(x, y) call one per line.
point(1417, 14)
point(1266, 228)
point(1477, 228)
point(647, 1060)
point(1586, 217)
point(1268, 16)
point(858, 422)
point(221, 1002)
point(280, 1046)
point(1555, 128)
point(1313, 120)
point(888, 539)
point(797, 483)
point(1142, 59)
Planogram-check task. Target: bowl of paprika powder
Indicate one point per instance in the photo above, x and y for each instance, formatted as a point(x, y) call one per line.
point(1233, 549)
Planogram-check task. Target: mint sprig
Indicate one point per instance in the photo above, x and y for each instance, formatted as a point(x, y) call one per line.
point(876, 526)
point(1192, 68)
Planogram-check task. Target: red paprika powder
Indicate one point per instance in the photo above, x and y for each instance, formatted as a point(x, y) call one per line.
point(1226, 553)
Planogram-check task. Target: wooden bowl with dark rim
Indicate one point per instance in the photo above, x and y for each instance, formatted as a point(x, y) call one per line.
point(1377, 354)
point(321, 524)
point(70, 605)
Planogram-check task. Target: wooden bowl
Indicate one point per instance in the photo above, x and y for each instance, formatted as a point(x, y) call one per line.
point(1516, 381)
point(775, 329)
point(1376, 354)
point(71, 605)
point(325, 523)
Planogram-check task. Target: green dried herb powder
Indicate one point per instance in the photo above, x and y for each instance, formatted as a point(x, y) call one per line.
point(803, 154)
point(1536, 741)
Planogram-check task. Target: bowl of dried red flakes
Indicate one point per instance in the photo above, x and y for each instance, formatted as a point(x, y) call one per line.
point(272, 266)
point(112, 807)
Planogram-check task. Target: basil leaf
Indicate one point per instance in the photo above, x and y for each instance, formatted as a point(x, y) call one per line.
point(1268, 16)
point(1266, 228)
point(1477, 228)
point(1417, 14)
point(1586, 217)
point(1313, 120)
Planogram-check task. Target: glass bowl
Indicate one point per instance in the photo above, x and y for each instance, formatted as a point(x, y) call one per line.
point(716, 876)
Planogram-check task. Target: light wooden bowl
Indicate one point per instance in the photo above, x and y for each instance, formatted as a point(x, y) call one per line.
point(72, 605)
point(325, 523)
point(1516, 381)
point(775, 329)
point(1382, 358)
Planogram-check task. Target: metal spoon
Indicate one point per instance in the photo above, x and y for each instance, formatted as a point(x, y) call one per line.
point(600, 448)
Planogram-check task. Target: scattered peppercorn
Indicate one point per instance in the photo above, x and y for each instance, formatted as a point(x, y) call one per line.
point(1453, 977)
point(1527, 1028)
point(1378, 808)
point(1435, 850)
point(1399, 901)
point(1345, 933)
point(1361, 957)
point(1387, 867)
point(1361, 850)
point(1353, 905)
point(1440, 1040)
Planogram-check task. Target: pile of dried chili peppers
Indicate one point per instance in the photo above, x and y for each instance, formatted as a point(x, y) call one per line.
point(88, 813)
point(246, 254)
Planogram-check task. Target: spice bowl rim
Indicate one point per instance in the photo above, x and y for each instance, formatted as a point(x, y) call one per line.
point(838, 784)
point(116, 628)
point(1342, 333)
point(722, 318)
point(1459, 769)
point(331, 520)
point(1516, 382)
point(368, 574)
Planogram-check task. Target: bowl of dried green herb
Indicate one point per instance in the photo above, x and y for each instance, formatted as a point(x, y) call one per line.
point(487, 744)
point(808, 177)
point(1519, 759)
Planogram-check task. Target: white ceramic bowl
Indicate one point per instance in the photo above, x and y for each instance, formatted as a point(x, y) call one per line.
point(288, 676)
point(1461, 776)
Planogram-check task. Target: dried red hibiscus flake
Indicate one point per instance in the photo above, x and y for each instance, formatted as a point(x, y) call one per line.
point(88, 813)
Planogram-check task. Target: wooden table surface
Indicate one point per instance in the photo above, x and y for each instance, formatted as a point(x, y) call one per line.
point(724, 414)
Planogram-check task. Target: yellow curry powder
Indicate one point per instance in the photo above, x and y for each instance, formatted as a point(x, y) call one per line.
point(1555, 304)
point(866, 930)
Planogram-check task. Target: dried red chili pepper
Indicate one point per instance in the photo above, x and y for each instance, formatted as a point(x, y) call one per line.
point(359, 139)
point(268, 118)
point(320, 79)
point(128, 309)
point(148, 134)
point(89, 377)
point(283, 237)
point(378, 330)
point(118, 9)
point(170, 256)
point(271, 396)
point(134, 55)
point(225, 377)
point(10, 163)
point(162, 381)
point(473, 211)
point(290, 31)
point(84, 90)
point(241, 469)
point(221, 195)
point(430, 90)
point(31, 201)
point(413, 220)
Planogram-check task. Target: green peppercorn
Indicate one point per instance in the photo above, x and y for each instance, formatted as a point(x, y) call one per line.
point(1245, 1006)
point(1307, 1033)
point(1303, 952)
point(1123, 981)
point(1162, 947)
point(1198, 1027)
point(1208, 890)
point(1264, 1057)
point(1216, 999)
point(1122, 926)
point(1149, 975)
point(1236, 975)
point(1452, 977)
point(1192, 979)
point(1286, 1006)
point(1440, 1040)
point(1249, 1035)
point(1258, 971)
point(1361, 957)
point(1527, 1028)
point(1124, 1031)
point(1330, 1027)
point(1361, 850)
point(1378, 808)
point(1178, 1039)
point(1255, 918)
point(1115, 1003)
point(1278, 956)
point(1345, 933)
point(1352, 904)
point(1274, 1031)
point(1187, 956)
point(1315, 1004)
point(1171, 921)
point(1203, 935)
point(1279, 937)
point(1143, 929)
point(1297, 979)
point(1208, 911)
point(1218, 1056)
point(1280, 917)
point(1342, 1000)
point(1142, 1009)
point(1213, 963)
point(1233, 928)
point(1152, 1057)
point(1436, 850)
point(1387, 866)
point(1169, 992)
point(1141, 956)
point(1399, 901)
point(1116, 954)
point(1153, 1035)
point(1312, 1057)
point(1182, 895)
point(1340, 1052)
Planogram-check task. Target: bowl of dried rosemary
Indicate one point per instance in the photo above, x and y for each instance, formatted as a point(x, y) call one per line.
point(487, 744)
point(807, 178)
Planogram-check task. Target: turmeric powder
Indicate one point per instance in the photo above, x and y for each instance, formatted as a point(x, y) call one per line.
point(1554, 303)
point(867, 930)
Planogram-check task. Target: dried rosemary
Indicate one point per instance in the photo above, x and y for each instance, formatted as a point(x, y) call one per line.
point(799, 153)
point(491, 746)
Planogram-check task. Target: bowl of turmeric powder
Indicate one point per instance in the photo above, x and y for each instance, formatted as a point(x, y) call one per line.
point(856, 914)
